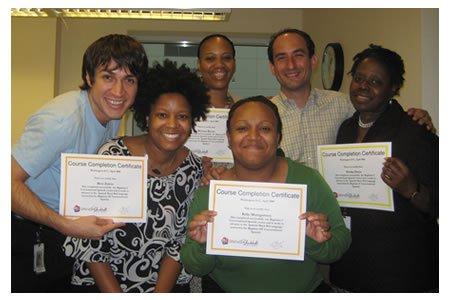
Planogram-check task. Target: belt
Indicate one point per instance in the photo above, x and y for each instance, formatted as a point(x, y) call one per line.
point(21, 219)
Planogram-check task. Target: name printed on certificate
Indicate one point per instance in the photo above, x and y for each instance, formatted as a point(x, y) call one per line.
point(257, 219)
point(211, 138)
point(113, 187)
point(353, 172)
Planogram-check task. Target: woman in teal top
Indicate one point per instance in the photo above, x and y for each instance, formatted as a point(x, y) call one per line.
point(254, 133)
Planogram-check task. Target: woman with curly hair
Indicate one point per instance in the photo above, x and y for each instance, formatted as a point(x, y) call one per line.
point(144, 257)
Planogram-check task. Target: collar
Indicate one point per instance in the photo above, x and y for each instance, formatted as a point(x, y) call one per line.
point(313, 99)
point(388, 121)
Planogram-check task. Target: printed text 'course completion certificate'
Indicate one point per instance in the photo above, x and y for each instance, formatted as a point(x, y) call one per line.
point(257, 219)
point(211, 138)
point(353, 172)
point(106, 186)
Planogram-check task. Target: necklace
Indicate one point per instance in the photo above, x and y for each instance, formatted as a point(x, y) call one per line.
point(156, 171)
point(229, 102)
point(159, 171)
point(364, 125)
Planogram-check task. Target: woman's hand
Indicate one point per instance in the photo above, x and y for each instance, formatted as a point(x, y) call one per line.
point(317, 226)
point(197, 226)
point(397, 175)
point(206, 163)
point(104, 277)
point(210, 174)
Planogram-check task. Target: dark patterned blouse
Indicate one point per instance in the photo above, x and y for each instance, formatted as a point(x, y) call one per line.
point(135, 250)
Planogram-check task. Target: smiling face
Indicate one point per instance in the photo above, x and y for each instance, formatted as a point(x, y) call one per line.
point(253, 135)
point(292, 65)
point(216, 63)
point(169, 122)
point(112, 91)
point(371, 88)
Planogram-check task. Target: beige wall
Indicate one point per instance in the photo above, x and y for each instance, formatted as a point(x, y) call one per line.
point(355, 29)
point(32, 68)
point(78, 33)
point(34, 77)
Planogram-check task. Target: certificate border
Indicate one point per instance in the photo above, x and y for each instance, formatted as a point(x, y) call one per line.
point(220, 159)
point(274, 186)
point(100, 157)
point(360, 204)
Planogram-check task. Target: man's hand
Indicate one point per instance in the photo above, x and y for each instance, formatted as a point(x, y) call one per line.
point(27, 204)
point(422, 117)
point(89, 227)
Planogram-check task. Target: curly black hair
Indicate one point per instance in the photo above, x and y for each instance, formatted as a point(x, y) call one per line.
point(168, 78)
point(390, 60)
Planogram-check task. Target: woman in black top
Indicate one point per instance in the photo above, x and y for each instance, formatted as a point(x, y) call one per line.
point(391, 251)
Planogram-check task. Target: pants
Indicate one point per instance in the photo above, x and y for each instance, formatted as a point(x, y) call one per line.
point(58, 267)
point(184, 288)
point(210, 286)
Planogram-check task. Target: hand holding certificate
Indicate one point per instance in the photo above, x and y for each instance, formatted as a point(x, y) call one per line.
point(104, 186)
point(257, 211)
point(353, 173)
point(256, 219)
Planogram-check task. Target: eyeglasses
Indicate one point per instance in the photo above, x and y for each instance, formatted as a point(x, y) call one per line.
point(372, 81)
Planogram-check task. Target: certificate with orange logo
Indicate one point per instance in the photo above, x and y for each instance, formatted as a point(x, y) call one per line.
point(256, 219)
point(113, 187)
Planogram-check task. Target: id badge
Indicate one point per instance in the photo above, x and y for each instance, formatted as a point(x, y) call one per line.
point(348, 222)
point(38, 261)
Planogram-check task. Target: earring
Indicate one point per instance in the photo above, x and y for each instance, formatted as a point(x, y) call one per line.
point(147, 121)
point(199, 74)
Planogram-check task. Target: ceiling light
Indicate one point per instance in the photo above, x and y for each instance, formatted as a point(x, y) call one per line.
point(199, 14)
point(28, 12)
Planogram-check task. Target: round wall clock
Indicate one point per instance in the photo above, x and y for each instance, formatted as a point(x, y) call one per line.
point(332, 67)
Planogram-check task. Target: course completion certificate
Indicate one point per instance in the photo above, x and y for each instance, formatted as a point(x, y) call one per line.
point(257, 219)
point(353, 171)
point(211, 138)
point(113, 187)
